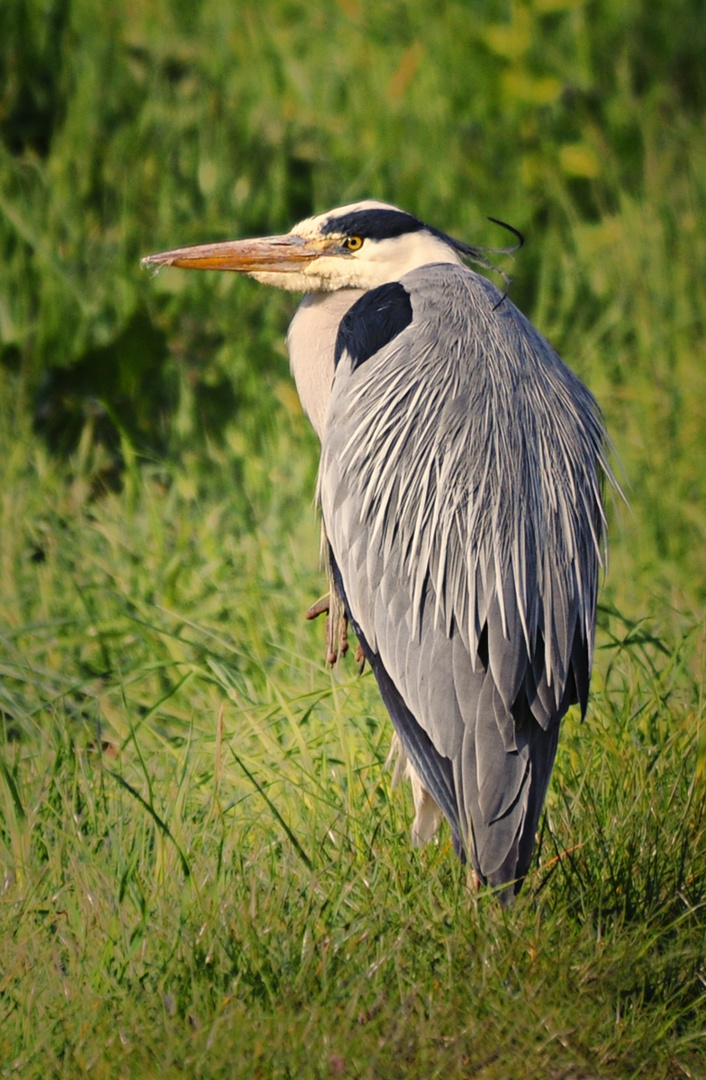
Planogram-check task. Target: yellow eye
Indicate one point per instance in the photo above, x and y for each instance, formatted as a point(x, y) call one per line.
point(353, 243)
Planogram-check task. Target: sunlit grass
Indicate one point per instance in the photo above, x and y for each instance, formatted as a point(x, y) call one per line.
point(207, 873)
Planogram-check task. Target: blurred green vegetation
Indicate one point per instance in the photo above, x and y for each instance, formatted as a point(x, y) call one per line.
point(205, 871)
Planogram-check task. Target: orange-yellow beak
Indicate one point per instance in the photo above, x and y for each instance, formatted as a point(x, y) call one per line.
point(267, 254)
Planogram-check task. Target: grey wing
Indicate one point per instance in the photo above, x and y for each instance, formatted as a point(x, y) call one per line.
point(460, 490)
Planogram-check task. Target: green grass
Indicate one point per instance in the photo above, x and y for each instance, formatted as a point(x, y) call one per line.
point(204, 871)
point(207, 874)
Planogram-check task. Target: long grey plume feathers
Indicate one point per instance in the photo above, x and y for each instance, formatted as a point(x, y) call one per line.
point(486, 457)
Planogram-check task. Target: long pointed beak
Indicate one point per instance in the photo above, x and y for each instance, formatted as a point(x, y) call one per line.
point(266, 254)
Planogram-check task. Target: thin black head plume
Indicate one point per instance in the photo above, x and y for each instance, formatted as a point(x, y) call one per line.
point(478, 255)
point(515, 232)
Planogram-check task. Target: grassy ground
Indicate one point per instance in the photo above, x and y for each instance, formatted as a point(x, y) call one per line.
point(204, 870)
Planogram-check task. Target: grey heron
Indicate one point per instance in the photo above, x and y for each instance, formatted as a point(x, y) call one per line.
point(460, 486)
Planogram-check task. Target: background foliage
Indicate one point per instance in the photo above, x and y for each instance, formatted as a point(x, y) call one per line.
point(205, 872)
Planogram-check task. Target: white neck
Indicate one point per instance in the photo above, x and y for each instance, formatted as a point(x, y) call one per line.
point(311, 341)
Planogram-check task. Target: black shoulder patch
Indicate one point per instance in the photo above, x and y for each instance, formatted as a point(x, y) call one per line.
point(372, 322)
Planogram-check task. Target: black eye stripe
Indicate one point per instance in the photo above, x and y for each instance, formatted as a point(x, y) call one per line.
point(373, 224)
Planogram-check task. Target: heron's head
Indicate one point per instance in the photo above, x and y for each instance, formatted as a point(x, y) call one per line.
point(359, 246)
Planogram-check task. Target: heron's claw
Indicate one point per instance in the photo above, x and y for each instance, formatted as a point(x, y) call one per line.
point(336, 627)
point(318, 607)
point(337, 643)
